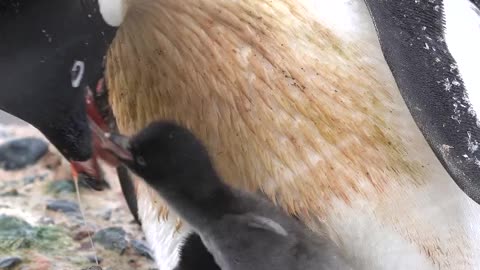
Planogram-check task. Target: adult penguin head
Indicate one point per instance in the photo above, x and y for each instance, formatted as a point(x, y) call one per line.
point(50, 51)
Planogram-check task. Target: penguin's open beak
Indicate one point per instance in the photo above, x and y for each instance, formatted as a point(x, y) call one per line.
point(118, 145)
point(90, 170)
point(113, 148)
point(109, 146)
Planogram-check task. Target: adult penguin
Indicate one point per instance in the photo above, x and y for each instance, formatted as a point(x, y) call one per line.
point(295, 99)
point(50, 51)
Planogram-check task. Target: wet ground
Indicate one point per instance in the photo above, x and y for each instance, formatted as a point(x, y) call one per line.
point(41, 222)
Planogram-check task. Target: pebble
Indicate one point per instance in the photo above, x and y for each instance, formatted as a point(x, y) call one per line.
point(46, 221)
point(61, 186)
point(27, 180)
point(92, 259)
point(112, 238)
point(107, 215)
point(20, 153)
point(63, 206)
point(82, 234)
point(10, 193)
point(142, 248)
point(42, 177)
point(9, 262)
point(95, 267)
point(12, 226)
point(15, 233)
point(87, 245)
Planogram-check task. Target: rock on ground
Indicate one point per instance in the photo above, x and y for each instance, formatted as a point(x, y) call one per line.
point(112, 238)
point(142, 248)
point(9, 262)
point(19, 153)
point(63, 206)
point(61, 186)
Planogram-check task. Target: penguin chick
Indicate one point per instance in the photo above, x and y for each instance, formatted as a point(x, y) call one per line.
point(241, 230)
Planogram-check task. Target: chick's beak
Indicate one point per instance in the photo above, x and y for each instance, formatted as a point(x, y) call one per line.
point(118, 145)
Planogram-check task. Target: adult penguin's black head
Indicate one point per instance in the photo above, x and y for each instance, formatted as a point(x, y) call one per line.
point(50, 50)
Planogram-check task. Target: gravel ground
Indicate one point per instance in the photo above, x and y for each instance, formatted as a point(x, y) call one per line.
point(41, 225)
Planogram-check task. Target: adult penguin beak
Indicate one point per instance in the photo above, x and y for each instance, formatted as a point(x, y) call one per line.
point(90, 170)
point(114, 148)
point(51, 50)
point(108, 145)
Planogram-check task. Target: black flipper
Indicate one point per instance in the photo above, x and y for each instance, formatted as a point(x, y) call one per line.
point(411, 35)
point(476, 3)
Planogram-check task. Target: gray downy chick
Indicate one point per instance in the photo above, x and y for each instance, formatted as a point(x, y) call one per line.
point(241, 230)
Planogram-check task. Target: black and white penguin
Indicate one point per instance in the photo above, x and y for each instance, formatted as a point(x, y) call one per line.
point(242, 230)
point(50, 51)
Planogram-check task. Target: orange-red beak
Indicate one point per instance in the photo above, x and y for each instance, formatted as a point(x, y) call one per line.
point(90, 171)
point(113, 148)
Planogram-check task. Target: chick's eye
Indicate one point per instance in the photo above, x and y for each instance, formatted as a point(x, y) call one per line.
point(141, 161)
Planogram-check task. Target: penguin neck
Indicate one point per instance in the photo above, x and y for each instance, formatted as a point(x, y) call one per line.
point(199, 199)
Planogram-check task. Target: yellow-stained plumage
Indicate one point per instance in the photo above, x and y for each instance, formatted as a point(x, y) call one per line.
point(286, 105)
